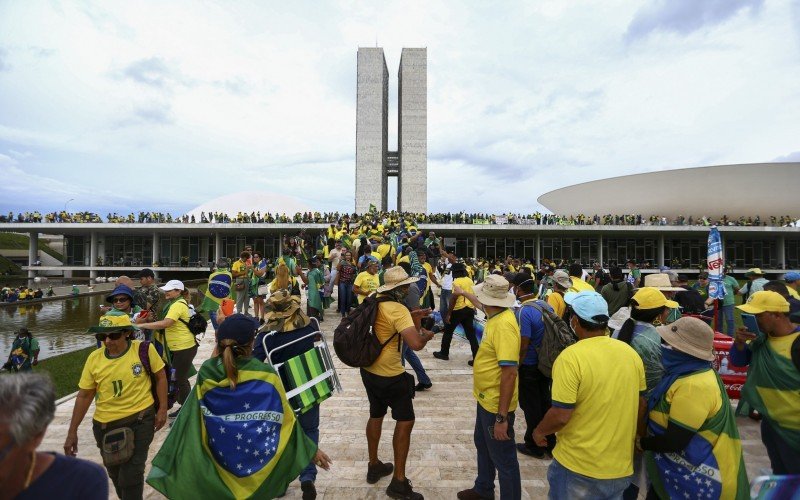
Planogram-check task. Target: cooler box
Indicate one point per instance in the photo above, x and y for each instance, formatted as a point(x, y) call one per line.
point(733, 377)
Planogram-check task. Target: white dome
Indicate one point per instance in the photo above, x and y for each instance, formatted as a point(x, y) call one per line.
point(251, 201)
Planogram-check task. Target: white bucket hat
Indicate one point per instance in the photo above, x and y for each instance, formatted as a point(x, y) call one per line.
point(394, 277)
point(494, 292)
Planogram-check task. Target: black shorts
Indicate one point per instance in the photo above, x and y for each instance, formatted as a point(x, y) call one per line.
point(389, 392)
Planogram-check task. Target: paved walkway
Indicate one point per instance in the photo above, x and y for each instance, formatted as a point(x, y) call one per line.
point(442, 457)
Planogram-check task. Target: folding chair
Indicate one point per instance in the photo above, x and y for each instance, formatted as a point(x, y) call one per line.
point(309, 378)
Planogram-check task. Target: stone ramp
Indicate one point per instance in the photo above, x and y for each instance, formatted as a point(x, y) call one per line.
point(442, 457)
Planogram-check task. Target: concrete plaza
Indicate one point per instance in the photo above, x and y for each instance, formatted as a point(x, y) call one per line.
point(442, 457)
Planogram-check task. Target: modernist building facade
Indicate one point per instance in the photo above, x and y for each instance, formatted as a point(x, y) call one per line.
point(374, 162)
point(114, 249)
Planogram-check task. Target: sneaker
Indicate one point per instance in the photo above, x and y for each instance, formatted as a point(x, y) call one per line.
point(377, 471)
point(471, 494)
point(470, 362)
point(522, 448)
point(309, 490)
point(439, 355)
point(422, 387)
point(402, 489)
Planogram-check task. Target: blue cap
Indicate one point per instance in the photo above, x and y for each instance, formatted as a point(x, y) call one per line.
point(120, 290)
point(238, 327)
point(791, 276)
point(588, 305)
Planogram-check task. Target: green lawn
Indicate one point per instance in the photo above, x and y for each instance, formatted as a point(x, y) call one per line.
point(8, 267)
point(65, 370)
point(21, 241)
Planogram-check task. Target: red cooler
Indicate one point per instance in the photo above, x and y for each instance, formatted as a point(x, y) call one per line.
point(732, 376)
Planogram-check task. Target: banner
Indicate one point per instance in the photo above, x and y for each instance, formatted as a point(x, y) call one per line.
point(501, 220)
point(716, 264)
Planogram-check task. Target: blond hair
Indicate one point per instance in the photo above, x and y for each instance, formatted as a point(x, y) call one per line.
point(230, 351)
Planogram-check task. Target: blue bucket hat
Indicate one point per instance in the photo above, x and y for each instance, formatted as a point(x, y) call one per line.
point(120, 290)
point(588, 305)
point(791, 276)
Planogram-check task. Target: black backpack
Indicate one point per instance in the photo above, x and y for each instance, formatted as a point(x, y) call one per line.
point(557, 337)
point(354, 340)
point(197, 324)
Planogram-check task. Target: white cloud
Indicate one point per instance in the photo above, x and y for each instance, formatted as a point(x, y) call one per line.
point(193, 100)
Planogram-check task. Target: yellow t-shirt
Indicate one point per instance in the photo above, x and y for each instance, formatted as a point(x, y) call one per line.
point(499, 347)
point(238, 267)
point(404, 258)
point(579, 285)
point(384, 249)
point(793, 292)
point(461, 302)
point(391, 317)
point(600, 378)
point(783, 345)
point(122, 383)
point(366, 281)
point(178, 335)
point(556, 301)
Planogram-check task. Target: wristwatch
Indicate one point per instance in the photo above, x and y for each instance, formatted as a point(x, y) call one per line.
point(500, 419)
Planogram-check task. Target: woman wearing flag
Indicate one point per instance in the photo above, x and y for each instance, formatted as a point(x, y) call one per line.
point(236, 436)
point(693, 448)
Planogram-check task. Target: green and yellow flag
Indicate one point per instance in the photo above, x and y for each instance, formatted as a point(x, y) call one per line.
point(242, 443)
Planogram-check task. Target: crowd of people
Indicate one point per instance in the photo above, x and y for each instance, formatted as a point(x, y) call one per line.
point(612, 371)
point(22, 293)
point(536, 218)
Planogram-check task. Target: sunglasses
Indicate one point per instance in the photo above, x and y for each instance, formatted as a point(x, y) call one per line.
point(121, 299)
point(101, 337)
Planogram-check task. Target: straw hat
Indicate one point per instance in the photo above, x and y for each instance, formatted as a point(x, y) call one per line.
point(283, 312)
point(494, 292)
point(691, 336)
point(661, 281)
point(394, 277)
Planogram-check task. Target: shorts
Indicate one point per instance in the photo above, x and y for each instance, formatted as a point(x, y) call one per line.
point(389, 392)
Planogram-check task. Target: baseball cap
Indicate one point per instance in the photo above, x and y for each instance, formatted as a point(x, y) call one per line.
point(238, 327)
point(765, 301)
point(172, 285)
point(588, 305)
point(562, 278)
point(652, 298)
point(146, 273)
point(791, 276)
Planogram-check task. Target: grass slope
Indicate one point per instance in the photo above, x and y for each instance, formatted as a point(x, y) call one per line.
point(21, 241)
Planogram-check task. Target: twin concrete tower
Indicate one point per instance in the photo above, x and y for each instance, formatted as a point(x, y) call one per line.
point(374, 162)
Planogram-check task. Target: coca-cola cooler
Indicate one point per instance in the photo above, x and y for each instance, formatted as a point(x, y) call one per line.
point(732, 376)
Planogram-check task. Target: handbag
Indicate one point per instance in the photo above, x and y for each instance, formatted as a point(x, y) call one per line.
point(117, 447)
point(263, 290)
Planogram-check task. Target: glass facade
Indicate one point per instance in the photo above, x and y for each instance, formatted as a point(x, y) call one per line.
point(580, 249)
point(617, 251)
point(499, 248)
point(136, 251)
point(185, 251)
point(269, 246)
point(792, 254)
point(684, 253)
point(76, 250)
point(751, 253)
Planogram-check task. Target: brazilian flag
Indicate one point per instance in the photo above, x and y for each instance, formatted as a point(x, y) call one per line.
point(241, 443)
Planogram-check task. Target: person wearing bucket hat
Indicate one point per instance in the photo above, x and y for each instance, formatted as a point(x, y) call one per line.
point(386, 382)
point(494, 385)
point(691, 397)
point(755, 283)
point(180, 344)
point(115, 379)
point(121, 300)
point(561, 283)
point(649, 308)
point(596, 407)
point(773, 377)
point(288, 327)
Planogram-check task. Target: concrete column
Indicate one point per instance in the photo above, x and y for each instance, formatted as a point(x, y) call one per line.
point(600, 249)
point(475, 246)
point(781, 252)
point(33, 252)
point(538, 250)
point(156, 248)
point(660, 250)
point(93, 257)
point(217, 247)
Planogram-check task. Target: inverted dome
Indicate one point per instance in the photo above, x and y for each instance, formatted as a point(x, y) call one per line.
point(251, 201)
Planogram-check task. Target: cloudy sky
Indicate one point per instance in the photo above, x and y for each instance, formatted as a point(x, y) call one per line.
point(128, 106)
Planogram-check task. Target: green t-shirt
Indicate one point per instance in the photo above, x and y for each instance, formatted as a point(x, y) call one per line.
point(315, 282)
point(729, 282)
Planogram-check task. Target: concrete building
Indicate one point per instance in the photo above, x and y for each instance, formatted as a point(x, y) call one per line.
point(374, 162)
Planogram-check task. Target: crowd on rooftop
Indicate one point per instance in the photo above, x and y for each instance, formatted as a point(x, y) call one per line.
point(536, 218)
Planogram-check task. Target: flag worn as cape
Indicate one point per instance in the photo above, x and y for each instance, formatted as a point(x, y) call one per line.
point(225, 443)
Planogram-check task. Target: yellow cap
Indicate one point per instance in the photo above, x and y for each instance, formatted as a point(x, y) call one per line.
point(651, 298)
point(765, 301)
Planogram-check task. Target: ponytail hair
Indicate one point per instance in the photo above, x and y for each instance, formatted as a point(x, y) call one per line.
point(644, 315)
point(230, 351)
point(282, 276)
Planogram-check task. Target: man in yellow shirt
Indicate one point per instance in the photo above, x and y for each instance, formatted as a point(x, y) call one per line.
point(367, 281)
point(388, 385)
point(578, 284)
point(495, 389)
point(460, 311)
point(596, 407)
point(561, 283)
